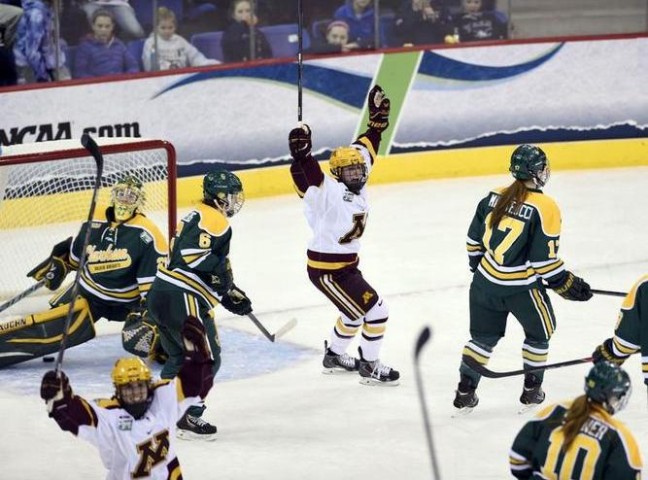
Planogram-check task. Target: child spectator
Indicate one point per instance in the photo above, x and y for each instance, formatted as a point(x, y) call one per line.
point(336, 41)
point(102, 53)
point(359, 15)
point(474, 24)
point(35, 46)
point(122, 13)
point(236, 39)
point(173, 51)
point(421, 22)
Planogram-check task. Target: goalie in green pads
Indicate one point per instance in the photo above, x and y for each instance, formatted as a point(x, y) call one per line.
point(124, 251)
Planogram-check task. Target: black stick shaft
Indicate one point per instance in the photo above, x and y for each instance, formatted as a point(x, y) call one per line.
point(488, 373)
point(608, 292)
point(22, 295)
point(300, 61)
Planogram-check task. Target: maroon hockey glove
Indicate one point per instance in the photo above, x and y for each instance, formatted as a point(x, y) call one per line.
point(379, 107)
point(300, 142)
point(195, 340)
point(55, 388)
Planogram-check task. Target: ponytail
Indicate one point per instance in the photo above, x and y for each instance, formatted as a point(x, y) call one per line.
point(575, 417)
point(512, 197)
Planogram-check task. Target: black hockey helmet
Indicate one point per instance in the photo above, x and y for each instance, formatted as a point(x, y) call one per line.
point(529, 162)
point(609, 385)
point(225, 190)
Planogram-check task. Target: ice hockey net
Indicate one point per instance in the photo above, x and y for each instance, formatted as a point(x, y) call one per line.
point(46, 188)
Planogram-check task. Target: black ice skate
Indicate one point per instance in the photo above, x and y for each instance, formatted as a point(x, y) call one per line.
point(532, 393)
point(190, 427)
point(375, 373)
point(335, 364)
point(465, 397)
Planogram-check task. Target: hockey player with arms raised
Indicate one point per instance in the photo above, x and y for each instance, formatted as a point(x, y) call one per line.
point(336, 209)
point(123, 254)
point(134, 430)
point(199, 277)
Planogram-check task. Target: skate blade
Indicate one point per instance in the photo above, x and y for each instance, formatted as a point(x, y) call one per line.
point(462, 412)
point(370, 382)
point(338, 371)
point(528, 408)
point(186, 435)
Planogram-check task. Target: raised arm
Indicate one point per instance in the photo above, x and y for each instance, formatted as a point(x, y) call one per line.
point(304, 169)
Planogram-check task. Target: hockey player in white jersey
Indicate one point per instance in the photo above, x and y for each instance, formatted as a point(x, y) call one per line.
point(336, 209)
point(134, 431)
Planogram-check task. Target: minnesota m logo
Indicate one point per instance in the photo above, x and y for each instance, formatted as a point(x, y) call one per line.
point(152, 452)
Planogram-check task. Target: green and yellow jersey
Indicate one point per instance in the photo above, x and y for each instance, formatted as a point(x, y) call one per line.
point(605, 449)
point(201, 244)
point(122, 258)
point(521, 250)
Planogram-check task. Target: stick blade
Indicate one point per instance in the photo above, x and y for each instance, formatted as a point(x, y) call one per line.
point(292, 323)
point(422, 339)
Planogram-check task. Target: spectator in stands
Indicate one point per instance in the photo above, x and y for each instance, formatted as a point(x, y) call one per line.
point(421, 22)
point(335, 41)
point(102, 53)
point(35, 48)
point(475, 24)
point(173, 51)
point(9, 17)
point(359, 15)
point(123, 15)
point(236, 41)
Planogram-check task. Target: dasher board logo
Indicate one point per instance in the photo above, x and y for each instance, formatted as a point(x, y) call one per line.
point(63, 131)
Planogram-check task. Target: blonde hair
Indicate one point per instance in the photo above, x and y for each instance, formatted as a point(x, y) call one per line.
point(166, 14)
point(578, 413)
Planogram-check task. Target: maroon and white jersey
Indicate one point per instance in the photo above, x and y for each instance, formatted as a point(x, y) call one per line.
point(336, 216)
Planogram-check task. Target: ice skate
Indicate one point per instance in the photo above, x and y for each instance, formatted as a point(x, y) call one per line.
point(465, 397)
point(375, 373)
point(335, 364)
point(190, 427)
point(532, 393)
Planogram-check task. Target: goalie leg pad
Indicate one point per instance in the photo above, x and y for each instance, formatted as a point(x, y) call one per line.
point(40, 334)
point(140, 336)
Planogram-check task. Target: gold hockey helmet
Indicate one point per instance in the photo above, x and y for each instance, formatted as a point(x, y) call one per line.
point(126, 197)
point(130, 369)
point(348, 166)
point(132, 379)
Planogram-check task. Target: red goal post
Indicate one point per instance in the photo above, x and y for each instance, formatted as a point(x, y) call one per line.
point(46, 188)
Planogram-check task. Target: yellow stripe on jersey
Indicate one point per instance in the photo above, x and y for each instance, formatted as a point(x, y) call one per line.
point(190, 282)
point(329, 265)
point(211, 220)
point(631, 298)
point(108, 403)
point(471, 353)
point(542, 308)
point(549, 268)
point(626, 350)
point(368, 145)
point(474, 248)
point(549, 212)
point(521, 275)
point(627, 438)
point(131, 294)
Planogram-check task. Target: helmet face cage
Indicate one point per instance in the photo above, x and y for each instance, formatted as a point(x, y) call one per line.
point(225, 190)
point(529, 162)
point(348, 166)
point(608, 385)
point(126, 197)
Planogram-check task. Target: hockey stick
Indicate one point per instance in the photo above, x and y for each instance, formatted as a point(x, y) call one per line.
point(486, 372)
point(608, 292)
point(279, 333)
point(91, 146)
point(300, 61)
point(22, 295)
point(422, 340)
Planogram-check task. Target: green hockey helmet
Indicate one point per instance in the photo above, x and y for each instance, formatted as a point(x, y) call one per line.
point(126, 197)
point(608, 384)
point(225, 190)
point(529, 162)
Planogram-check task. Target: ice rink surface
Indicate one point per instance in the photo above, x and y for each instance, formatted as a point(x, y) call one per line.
point(279, 418)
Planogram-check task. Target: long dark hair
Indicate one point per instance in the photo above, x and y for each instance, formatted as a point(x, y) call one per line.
point(513, 196)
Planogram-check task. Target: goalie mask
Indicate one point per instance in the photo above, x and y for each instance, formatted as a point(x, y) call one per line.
point(348, 166)
point(126, 197)
point(224, 190)
point(529, 162)
point(132, 380)
point(609, 385)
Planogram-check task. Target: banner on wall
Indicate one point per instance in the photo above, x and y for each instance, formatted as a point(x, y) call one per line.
point(447, 98)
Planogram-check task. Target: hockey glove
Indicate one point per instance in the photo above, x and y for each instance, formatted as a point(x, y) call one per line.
point(140, 334)
point(55, 388)
point(195, 341)
point(300, 142)
point(222, 277)
point(236, 301)
point(379, 106)
point(573, 288)
point(604, 352)
point(55, 268)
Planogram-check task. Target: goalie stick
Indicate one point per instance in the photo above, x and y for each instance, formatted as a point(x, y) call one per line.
point(279, 333)
point(486, 372)
point(91, 146)
point(22, 295)
point(422, 340)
